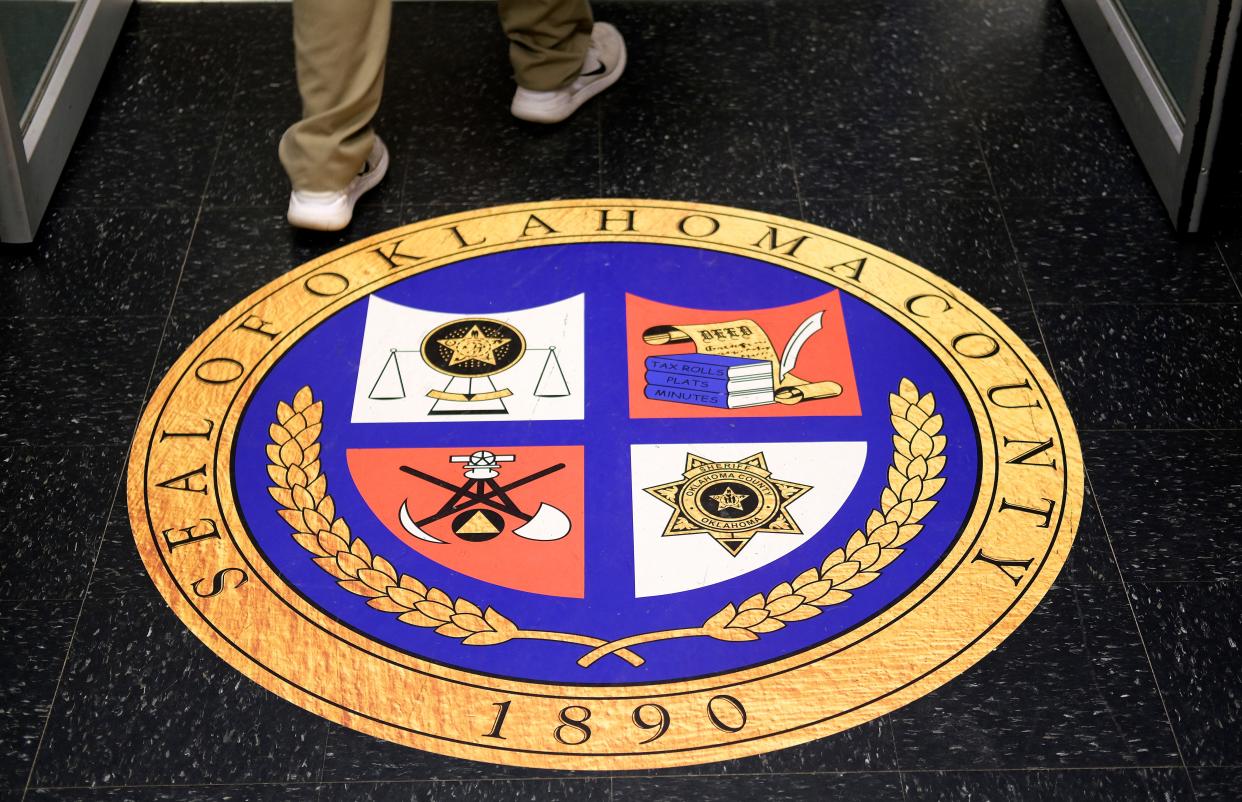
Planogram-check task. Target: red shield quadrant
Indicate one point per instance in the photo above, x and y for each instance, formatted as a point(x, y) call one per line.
point(517, 524)
point(824, 356)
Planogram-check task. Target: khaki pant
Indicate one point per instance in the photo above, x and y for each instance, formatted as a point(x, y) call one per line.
point(341, 47)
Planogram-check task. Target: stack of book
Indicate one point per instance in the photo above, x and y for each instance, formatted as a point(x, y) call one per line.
point(711, 381)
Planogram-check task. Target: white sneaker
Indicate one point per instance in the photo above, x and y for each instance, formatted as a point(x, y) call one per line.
point(332, 211)
point(603, 65)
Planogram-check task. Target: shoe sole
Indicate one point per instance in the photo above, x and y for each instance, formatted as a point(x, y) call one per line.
point(338, 215)
point(577, 100)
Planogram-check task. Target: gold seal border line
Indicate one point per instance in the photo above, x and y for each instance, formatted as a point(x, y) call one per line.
point(975, 310)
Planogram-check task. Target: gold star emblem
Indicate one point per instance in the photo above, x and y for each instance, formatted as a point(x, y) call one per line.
point(728, 484)
point(729, 500)
point(475, 345)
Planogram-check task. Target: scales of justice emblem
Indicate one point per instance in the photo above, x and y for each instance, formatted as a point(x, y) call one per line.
point(471, 351)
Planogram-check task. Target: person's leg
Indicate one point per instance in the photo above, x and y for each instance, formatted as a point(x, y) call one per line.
point(561, 58)
point(341, 47)
point(548, 39)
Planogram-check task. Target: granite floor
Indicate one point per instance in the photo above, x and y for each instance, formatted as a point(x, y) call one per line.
point(972, 137)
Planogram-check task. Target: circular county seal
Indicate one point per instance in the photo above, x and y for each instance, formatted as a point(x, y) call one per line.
point(605, 484)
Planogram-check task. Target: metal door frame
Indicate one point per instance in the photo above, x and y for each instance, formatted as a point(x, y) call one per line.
point(1177, 152)
point(31, 158)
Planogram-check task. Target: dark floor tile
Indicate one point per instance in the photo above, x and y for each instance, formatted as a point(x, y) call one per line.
point(236, 251)
point(484, 791)
point(96, 262)
point(1017, 53)
point(180, 793)
point(73, 380)
point(885, 58)
point(161, 76)
point(247, 22)
point(1167, 498)
point(961, 240)
point(55, 500)
point(1115, 250)
point(506, 163)
point(140, 161)
point(118, 570)
point(1192, 635)
point(1090, 560)
point(351, 756)
point(1217, 785)
point(1136, 367)
point(785, 787)
point(143, 702)
point(876, 154)
point(1068, 153)
point(35, 636)
point(1070, 689)
point(867, 747)
point(702, 54)
point(1122, 785)
point(694, 154)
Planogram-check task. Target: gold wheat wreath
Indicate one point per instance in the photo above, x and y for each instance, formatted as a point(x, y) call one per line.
point(302, 491)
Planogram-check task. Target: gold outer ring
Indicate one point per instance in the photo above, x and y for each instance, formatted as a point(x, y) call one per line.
point(968, 604)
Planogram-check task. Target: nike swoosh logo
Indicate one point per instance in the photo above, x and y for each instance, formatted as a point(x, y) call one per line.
point(600, 70)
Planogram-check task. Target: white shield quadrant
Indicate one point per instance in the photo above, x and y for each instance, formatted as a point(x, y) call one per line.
point(396, 383)
point(674, 563)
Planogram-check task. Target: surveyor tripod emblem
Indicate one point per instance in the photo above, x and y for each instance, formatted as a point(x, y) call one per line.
point(474, 503)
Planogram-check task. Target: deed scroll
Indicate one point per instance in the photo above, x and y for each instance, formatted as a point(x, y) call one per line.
point(745, 339)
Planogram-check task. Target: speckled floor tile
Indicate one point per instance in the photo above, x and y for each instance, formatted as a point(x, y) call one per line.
point(1157, 366)
point(351, 756)
point(721, 53)
point(695, 154)
point(867, 747)
point(159, 75)
point(873, 153)
point(143, 702)
point(787, 788)
point(113, 262)
point(963, 240)
point(35, 636)
point(1015, 53)
point(1217, 785)
point(55, 502)
point(1114, 250)
point(507, 163)
point(140, 162)
point(1167, 497)
point(1099, 785)
point(1192, 635)
point(1070, 688)
point(1067, 153)
point(247, 21)
point(180, 793)
point(482, 791)
point(118, 569)
point(889, 57)
point(1090, 560)
point(73, 380)
point(236, 251)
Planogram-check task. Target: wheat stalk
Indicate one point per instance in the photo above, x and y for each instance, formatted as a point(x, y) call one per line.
point(913, 481)
point(301, 489)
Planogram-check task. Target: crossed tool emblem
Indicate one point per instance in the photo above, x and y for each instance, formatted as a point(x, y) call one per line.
point(474, 501)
